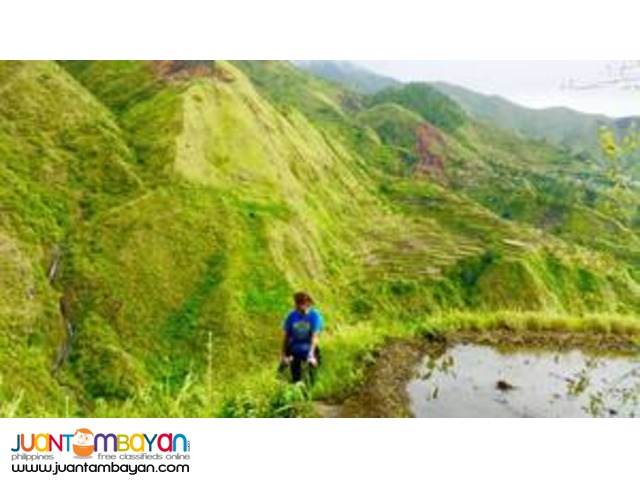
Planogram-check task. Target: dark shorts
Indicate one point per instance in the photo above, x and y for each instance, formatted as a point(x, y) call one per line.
point(298, 363)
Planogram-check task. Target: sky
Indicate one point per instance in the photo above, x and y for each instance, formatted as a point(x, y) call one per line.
point(587, 86)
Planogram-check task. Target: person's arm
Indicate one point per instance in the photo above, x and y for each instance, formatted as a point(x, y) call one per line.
point(315, 336)
point(285, 340)
point(314, 345)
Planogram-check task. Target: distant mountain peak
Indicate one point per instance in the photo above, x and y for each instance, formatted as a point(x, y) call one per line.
point(348, 74)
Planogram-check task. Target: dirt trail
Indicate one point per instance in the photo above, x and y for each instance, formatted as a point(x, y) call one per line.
point(383, 393)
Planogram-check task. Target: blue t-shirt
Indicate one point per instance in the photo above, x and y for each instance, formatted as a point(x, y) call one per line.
point(299, 328)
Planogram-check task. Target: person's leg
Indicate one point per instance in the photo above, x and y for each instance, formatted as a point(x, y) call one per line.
point(296, 369)
point(313, 370)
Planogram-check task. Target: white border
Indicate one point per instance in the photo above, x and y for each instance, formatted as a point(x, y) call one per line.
point(326, 449)
point(314, 29)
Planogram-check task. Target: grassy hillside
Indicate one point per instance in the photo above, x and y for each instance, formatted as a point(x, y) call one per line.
point(574, 131)
point(156, 217)
point(425, 100)
point(63, 163)
point(559, 125)
point(349, 75)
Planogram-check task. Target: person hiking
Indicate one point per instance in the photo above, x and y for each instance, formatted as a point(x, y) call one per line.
point(300, 343)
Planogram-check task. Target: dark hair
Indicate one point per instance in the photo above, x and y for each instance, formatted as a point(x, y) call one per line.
point(301, 298)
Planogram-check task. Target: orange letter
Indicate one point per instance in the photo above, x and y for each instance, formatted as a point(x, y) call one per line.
point(35, 442)
point(141, 447)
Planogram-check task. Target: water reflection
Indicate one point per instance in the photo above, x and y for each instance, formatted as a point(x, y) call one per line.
point(480, 381)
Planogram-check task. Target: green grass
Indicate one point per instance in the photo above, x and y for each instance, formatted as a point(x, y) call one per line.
point(188, 210)
point(426, 101)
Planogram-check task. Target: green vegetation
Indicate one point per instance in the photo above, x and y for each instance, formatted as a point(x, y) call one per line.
point(426, 101)
point(573, 131)
point(153, 227)
point(394, 124)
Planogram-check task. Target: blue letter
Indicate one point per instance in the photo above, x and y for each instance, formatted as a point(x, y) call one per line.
point(68, 436)
point(150, 442)
point(175, 441)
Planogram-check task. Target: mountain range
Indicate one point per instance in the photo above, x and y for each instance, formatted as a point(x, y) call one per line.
point(156, 216)
point(562, 126)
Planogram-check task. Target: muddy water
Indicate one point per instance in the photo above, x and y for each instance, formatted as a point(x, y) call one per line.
point(481, 381)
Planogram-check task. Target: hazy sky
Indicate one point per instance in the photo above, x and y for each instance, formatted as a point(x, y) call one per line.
point(535, 84)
